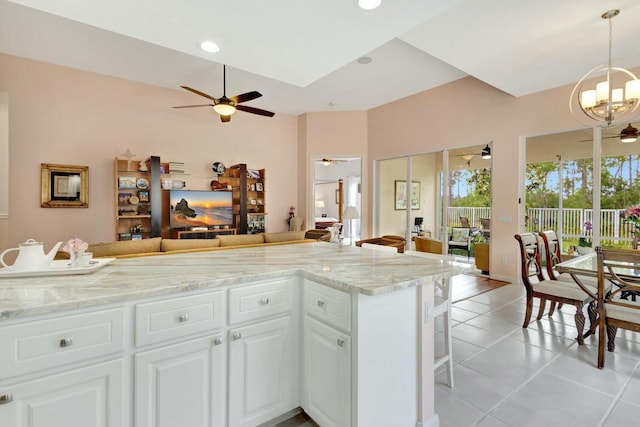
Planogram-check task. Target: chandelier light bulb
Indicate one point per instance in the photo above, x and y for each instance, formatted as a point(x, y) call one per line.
point(369, 4)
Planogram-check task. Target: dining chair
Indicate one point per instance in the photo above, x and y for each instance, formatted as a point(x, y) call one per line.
point(382, 248)
point(485, 223)
point(460, 239)
point(622, 267)
point(553, 256)
point(537, 286)
point(442, 307)
point(464, 222)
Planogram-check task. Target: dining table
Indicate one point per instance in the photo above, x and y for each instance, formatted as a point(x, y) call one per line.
point(587, 266)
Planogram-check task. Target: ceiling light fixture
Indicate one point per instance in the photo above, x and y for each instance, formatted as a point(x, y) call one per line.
point(486, 152)
point(607, 103)
point(224, 109)
point(210, 47)
point(629, 134)
point(369, 4)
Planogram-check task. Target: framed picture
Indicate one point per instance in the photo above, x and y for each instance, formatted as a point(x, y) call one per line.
point(401, 196)
point(143, 195)
point(254, 174)
point(64, 186)
point(259, 186)
point(124, 197)
point(127, 182)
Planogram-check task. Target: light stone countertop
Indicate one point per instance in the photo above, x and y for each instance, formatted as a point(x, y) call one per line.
point(348, 268)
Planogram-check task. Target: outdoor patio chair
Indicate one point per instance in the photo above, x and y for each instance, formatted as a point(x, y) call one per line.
point(537, 286)
point(460, 239)
point(464, 221)
point(620, 266)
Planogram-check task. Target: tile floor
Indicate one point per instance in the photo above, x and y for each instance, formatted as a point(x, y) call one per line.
point(509, 376)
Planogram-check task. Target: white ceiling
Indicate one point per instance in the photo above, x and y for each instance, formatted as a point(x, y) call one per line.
point(301, 54)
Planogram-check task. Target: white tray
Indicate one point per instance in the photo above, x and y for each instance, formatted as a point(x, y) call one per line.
point(58, 268)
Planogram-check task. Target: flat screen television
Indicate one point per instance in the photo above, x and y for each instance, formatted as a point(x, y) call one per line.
point(192, 208)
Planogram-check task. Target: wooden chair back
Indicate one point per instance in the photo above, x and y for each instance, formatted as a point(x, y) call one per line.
point(485, 223)
point(464, 221)
point(621, 266)
point(530, 267)
point(552, 252)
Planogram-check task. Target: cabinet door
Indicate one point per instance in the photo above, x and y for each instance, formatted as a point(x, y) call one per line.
point(263, 373)
point(326, 385)
point(87, 397)
point(181, 385)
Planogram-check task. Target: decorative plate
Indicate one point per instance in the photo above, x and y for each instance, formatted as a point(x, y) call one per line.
point(218, 168)
point(134, 200)
point(142, 183)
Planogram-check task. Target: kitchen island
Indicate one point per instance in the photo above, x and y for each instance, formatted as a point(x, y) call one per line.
point(224, 338)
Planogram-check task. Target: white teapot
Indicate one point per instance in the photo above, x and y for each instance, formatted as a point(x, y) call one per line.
point(31, 256)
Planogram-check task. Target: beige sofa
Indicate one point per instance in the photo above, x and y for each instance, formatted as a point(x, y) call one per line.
point(159, 246)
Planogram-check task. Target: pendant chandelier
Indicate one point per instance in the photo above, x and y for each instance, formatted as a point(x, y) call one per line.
point(614, 98)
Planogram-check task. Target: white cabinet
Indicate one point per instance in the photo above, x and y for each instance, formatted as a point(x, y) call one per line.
point(327, 374)
point(263, 374)
point(87, 397)
point(181, 385)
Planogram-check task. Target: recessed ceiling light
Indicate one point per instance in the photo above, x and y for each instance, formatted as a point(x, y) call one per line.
point(369, 4)
point(365, 60)
point(210, 47)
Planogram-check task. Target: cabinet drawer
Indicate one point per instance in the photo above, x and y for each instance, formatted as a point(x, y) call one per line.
point(32, 346)
point(173, 318)
point(328, 305)
point(256, 301)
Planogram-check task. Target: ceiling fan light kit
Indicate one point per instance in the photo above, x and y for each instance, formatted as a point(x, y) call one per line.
point(486, 152)
point(369, 4)
point(607, 102)
point(629, 134)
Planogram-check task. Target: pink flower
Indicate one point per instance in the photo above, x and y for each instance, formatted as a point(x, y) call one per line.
point(75, 244)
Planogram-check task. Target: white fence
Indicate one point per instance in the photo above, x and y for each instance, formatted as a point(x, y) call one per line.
point(613, 230)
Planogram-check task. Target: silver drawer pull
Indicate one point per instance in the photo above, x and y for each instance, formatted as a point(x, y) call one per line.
point(340, 342)
point(264, 301)
point(66, 342)
point(183, 318)
point(5, 398)
point(237, 336)
point(320, 303)
point(218, 341)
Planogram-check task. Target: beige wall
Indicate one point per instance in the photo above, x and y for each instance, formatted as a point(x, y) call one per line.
point(66, 116)
point(468, 113)
point(339, 134)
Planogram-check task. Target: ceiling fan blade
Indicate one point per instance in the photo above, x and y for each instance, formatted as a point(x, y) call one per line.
point(191, 106)
point(196, 91)
point(255, 111)
point(238, 99)
point(225, 119)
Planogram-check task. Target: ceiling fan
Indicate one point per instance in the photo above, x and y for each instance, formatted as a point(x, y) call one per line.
point(626, 135)
point(327, 162)
point(224, 106)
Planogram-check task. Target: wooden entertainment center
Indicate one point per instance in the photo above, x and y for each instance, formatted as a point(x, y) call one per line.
point(142, 205)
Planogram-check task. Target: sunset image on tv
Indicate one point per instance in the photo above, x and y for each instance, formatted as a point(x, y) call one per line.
point(200, 208)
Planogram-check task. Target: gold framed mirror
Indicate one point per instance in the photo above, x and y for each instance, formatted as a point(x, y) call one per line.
point(64, 186)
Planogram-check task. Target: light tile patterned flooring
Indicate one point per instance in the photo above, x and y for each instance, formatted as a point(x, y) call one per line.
point(506, 375)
